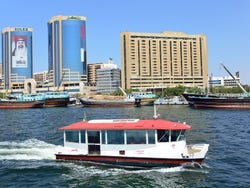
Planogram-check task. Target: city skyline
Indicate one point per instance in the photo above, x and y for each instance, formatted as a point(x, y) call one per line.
point(224, 23)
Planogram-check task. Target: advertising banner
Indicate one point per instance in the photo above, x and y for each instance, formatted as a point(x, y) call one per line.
point(82, 42)
point(19, 51)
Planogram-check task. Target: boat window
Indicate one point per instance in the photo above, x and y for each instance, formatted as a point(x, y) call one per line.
point(182, 135)
point(83, 140)
point(93, 136)
point(103, 137)
point(72, 136)
point(151, 137)
point(174, 135)
point(163, 135)
point(115, 137)
point(136, 137)
point(177, 135)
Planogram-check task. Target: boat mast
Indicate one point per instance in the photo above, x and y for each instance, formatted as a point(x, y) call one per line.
point(239, 84)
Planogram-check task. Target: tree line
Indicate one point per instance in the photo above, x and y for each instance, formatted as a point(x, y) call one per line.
point(178, 90)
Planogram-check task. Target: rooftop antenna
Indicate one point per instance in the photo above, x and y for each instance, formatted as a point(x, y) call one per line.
point(110, 60)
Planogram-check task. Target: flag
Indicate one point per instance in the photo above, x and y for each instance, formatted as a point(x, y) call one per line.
point(84, 116)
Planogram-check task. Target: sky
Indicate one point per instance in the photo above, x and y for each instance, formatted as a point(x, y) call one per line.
point(225, 23)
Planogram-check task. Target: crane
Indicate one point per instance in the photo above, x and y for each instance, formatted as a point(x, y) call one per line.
point(124, 93)
point(237, 81)
point(58, 88)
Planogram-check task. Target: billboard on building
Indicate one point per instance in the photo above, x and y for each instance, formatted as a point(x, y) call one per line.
point(19, 51)
point(82, 42)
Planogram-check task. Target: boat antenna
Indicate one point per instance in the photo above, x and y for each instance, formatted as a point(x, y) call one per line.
point(155, 113)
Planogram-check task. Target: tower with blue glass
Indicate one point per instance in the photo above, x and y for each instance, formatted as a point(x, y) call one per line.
point(17, 57)
point(67, 61)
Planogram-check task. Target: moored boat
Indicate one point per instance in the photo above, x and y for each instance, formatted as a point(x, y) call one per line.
point(22, 101)
point(51, 98)
point(216, 101)
point(56, 99)
point(13, 104)
point(88, 102)
point(176, 100)
point(145, 98)
point(220, 101)
point(130, 142)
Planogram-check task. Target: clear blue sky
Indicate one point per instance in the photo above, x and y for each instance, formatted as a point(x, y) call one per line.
point(225, 23)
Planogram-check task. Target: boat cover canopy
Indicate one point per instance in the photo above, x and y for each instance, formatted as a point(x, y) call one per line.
point(127, 124)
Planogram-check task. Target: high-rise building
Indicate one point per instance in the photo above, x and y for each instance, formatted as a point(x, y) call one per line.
point(167, 59)
point(67, 50)
point(17, 56)
point(1, 78)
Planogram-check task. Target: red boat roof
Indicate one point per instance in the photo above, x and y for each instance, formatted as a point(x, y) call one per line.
point(127, 124)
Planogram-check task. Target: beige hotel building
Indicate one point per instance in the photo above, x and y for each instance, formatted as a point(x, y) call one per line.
point(160, 60)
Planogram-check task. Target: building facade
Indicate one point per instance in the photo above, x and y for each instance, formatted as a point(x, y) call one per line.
point(17, 56)
point(67, 51)
point(159, 60)
point(108, 78)
point(41, 78)
point(1, 77)
point(226, 81)
point(92, 72)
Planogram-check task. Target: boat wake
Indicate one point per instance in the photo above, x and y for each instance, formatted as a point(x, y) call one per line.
point(31, 149)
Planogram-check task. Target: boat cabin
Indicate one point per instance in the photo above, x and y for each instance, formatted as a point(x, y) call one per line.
point(62, 94)
point(118, 136)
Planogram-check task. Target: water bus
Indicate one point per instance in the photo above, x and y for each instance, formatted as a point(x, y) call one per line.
point(130, 142)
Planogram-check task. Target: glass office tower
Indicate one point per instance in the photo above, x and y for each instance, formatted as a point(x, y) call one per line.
point(67, 50)
point(17, 57)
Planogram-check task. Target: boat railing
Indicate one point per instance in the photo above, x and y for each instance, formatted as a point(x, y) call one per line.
point(113, 121)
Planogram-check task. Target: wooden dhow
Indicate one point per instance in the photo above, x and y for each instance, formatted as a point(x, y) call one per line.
point(219, 101)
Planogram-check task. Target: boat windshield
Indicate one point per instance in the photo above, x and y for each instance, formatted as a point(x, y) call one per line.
point(177, 135)
point(163, 135)
point(173, 136)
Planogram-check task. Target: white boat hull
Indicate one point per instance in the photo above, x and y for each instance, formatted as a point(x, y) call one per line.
point(138, 156)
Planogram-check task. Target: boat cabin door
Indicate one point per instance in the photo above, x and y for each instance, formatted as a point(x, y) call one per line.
point(93, 142)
